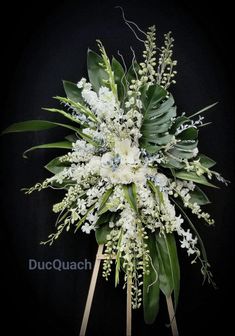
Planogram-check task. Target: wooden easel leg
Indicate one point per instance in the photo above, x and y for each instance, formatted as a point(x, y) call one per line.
point(91, 292)
point(128, 308)
point(171, 313)
point(90, 296)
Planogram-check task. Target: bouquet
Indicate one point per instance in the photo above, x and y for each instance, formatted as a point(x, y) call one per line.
point(131, 170)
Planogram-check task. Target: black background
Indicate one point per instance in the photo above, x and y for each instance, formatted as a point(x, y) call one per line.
point(43, 43)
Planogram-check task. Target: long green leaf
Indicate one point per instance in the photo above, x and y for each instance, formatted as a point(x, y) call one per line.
point(151, 289)
point(203, 110)
point(36, 125)
point(96, 73)
point(60, 144)
point(88, 138)
point(205, 124)
point(81, 107)
point(119, 77)
point(191, 176)
point(130, 195)
point(29, 126)
point(169, 271)
point(63, 113)
point(104, 200)
point(156, 191)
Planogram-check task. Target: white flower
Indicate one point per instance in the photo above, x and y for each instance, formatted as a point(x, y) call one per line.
point(161, 180)
point(190, 251)
point(94, 165)
point(195, 152)
point(106, 159)
point(185, 244)
point(125, 174)
point(81, 83)
point(129, 123)
point(178, 222)
point(122, 175)
point(87, 228)
point(74, 215)
point(91, 218)
point(90, 97)
point(106, 95)
point(140, 175)
point(129, 154)
point(188, 235)
point(139, 103)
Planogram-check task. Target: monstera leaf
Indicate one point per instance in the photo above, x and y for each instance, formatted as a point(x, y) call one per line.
point(158, 112)
point(186, 143)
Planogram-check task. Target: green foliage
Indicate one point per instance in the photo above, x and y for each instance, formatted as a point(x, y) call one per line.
point(29, 126)
point(156, 191)
point(198, 196)
point(174, 138)
point(96, 73)
point(63, 113)
point(60, 145)
point(120, 79)
point(157, 118)
point(203, 110)
point(73, 92)
point(192, 176)
point(206, 161)
point(36, 125)
point(55, 166)
point(101, 233)
point(103, 228)
point(169, 270)
point(104, 200)
point(130, 195)
point(151, 290)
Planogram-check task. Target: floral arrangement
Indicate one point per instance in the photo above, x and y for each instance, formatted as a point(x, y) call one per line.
point(132, 170)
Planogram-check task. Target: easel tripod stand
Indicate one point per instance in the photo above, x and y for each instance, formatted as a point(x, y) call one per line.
point(100, 256)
